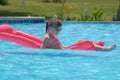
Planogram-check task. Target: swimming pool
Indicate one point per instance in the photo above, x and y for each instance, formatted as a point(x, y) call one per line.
point(20, 63)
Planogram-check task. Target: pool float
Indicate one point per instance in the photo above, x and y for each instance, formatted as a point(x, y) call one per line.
point(85, 45)
point(19, 37)
point(25, 39)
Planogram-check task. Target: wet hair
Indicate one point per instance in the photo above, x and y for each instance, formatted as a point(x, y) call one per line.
point(46, 26)
point(53, 22)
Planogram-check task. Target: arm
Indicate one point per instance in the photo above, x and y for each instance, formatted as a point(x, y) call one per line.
point(44, 43)
point(58, 45)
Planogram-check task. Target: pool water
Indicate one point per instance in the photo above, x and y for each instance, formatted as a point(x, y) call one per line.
point(20, 63)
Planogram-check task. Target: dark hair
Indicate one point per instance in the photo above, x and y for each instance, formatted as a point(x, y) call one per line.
point(46, 26)
point(52, 22)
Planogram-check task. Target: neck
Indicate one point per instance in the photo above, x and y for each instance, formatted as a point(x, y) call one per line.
point(51, 34)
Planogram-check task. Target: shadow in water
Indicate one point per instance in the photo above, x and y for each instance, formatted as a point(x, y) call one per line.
point(56, 53)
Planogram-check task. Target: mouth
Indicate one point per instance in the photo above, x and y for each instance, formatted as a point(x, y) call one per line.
point(56, 29)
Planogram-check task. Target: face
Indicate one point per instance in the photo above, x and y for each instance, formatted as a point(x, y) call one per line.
point(55, 30)
point(54, 26)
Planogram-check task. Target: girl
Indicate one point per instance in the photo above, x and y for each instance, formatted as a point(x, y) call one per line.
point(53, 27)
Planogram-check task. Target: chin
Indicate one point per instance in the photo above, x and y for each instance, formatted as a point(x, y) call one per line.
point(56, 32)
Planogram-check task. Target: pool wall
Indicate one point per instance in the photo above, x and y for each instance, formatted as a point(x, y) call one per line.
point(22, 19)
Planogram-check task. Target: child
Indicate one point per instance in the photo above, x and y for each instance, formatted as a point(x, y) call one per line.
point(51, 40)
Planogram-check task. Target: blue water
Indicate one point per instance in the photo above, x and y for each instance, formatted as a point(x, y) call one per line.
point(20, 63)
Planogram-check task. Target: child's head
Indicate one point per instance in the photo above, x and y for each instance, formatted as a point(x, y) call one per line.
point(53, 24)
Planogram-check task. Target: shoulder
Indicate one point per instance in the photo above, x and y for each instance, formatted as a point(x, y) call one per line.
point(46, 38)
point(45, 41)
